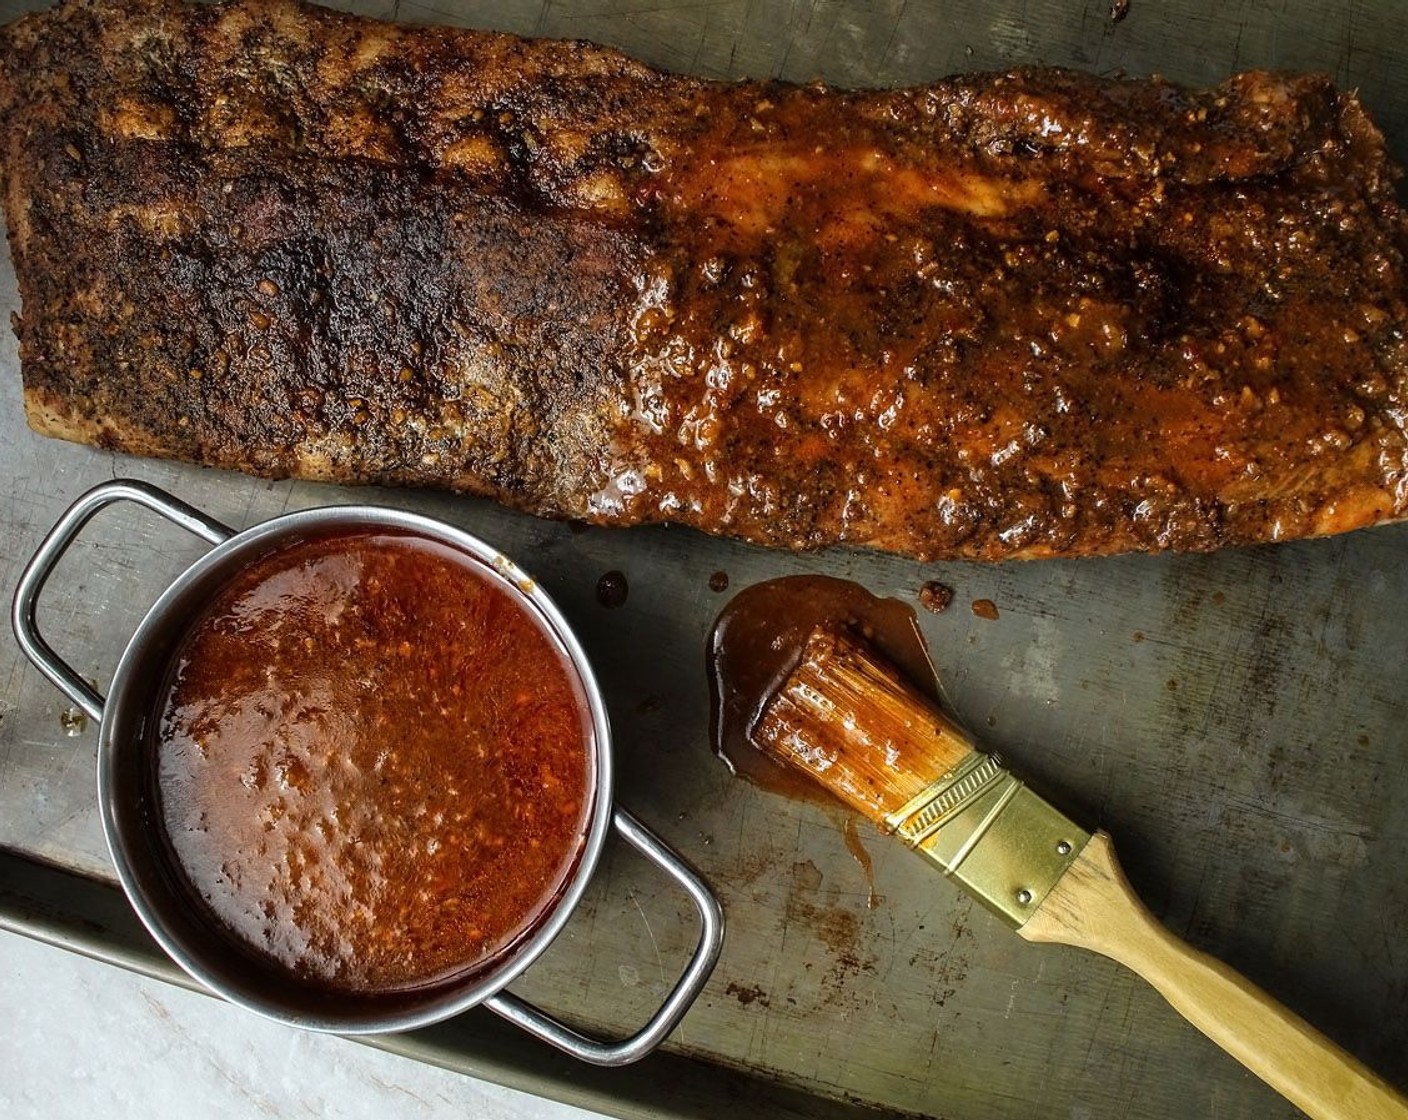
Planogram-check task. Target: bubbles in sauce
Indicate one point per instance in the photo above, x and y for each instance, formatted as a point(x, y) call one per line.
point(373, 762)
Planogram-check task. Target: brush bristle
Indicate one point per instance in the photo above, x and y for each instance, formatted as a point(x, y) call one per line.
point(850, 720)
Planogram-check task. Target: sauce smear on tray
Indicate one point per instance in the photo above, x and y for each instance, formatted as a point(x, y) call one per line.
point(757, 642)
point(373, 761)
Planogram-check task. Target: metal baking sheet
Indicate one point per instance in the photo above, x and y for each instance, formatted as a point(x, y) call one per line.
point(1237, 721)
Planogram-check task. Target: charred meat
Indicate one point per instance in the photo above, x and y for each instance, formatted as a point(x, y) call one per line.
point(1025, 314)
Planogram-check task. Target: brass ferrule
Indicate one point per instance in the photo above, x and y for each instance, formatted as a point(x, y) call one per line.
point(985, 828)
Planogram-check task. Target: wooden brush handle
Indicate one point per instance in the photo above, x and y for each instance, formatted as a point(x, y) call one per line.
point(1093, 906)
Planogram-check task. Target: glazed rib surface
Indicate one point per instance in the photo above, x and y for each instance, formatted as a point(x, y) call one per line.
point(1036, 313)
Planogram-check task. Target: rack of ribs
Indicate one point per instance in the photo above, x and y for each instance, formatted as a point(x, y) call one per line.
point(1004, 315)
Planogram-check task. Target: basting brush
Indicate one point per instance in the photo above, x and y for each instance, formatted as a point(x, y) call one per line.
point(851, 721)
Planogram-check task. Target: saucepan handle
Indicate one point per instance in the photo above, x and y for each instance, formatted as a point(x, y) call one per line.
point(638, 1045)
point(37, 572)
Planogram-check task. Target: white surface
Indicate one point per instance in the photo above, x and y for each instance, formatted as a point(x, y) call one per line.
point(89, 1041)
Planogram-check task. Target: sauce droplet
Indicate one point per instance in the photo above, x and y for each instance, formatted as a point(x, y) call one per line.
point(612, 589)
point(718, 581)
point(985, 608)
point(935, 596)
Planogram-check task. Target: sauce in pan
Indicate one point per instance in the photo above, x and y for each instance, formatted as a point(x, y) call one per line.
point(373, 762)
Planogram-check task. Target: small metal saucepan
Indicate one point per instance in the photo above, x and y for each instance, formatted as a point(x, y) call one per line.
point(131, 820)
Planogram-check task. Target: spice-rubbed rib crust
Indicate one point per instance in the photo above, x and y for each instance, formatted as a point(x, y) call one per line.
point(1028, 314)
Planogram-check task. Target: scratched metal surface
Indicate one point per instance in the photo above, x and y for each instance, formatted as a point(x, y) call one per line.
point(1236, 721)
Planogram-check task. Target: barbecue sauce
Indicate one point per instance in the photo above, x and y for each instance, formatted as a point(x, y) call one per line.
point(757, 642)
point(373, 763)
